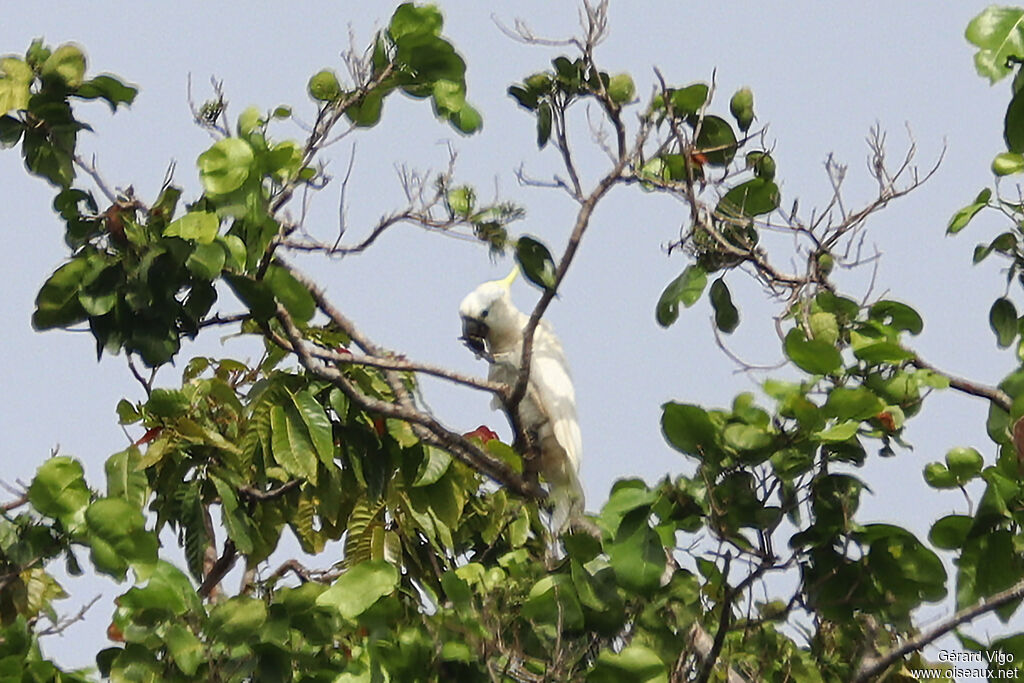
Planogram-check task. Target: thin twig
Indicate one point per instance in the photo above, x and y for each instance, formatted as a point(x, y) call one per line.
point(63, 624)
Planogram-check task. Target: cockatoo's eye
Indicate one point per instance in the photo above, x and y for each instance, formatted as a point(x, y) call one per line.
point(484, 313)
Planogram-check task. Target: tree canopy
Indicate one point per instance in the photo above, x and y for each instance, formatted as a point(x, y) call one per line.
point(751, 566)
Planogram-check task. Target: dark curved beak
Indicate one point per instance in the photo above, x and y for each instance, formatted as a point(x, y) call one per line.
point(474, 334)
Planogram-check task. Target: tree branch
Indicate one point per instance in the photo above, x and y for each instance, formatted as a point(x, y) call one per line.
point(579, 228)
point(432, 431)
point(219, 569)
point(874, 666)
point(271, 494)
point(994, 395)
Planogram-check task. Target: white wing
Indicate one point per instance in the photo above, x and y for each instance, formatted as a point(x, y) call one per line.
point(549, 377)
point(561, 441)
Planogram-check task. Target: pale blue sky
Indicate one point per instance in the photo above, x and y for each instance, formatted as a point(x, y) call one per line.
point(822, 75)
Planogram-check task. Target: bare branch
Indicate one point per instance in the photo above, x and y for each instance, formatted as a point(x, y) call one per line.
point(994, 395)
point(219, 569)
point(147, 384)
point(90, 170)
point(64, 623)
point(270, 494)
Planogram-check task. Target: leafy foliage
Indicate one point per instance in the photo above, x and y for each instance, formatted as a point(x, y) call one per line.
point(441, 575)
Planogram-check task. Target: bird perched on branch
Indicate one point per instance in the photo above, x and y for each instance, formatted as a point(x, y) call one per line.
point(493, 328)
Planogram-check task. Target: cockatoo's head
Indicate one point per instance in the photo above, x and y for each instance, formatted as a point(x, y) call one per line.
point(489, 318)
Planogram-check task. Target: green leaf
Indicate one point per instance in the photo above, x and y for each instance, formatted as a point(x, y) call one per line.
point(525, 98)
point(689, 429)
point(185, 648)
point(206, 261)
point(939, 477)
point(126, 478)
point(636, 555)
point(366, 111)
point(743, 437)
point(11, 129)
point(249, 120)
point(238, 523)
point(467, 120)
point(626, 496)
point(689, 100)
point(235, 249)
point(433, 467)
point(988, 564)
point(813, 356)
point(67, 63)
point(635, 663)
point(898, 315)
point(59, 491)
point(717, 141)
point(1008, 163)
point(553, 602)
point(107, 88)
point(255, 294)
point(536, 261)
point(727, 318)
point(291, 445)
point(168, 589)
point(360, 587)
point(543, 124)
point(126, 413)
point(410, 19)
point(964, 463)
point(950, 532)
point(685, 289)
point(998, 32)
point(843, 431)
point(15, 77)
point(1002, 318)
point(755, 197)
point(292, 294)
point(621, 89)
point(324, 86)
point(167, 403)
point(119, 538)
point(741, 106)
point(449, 96)
point(853, 403)
point(317, 424)
point(48, 154)
point(237, 620)
point(880, 352)
point(225, 166)
point(1013, 124)
point(57, 303)
point(1005, 243)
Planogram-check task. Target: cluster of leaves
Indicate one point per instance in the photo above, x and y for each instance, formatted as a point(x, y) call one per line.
point(439, 577)
point(142, 278)
point(726, 236)
point(411, 56)
point(783, 474)
point(426, 571)
point(35, 108)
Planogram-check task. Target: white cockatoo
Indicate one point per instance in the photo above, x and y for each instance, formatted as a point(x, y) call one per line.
point(493, 328)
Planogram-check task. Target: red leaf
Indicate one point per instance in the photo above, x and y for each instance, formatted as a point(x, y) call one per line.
point(150, 434)
point(483, 432)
